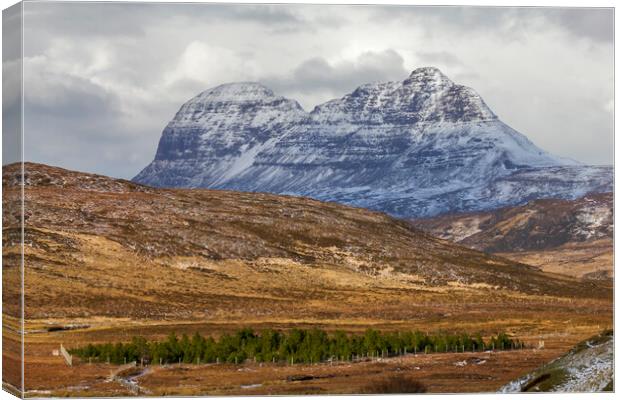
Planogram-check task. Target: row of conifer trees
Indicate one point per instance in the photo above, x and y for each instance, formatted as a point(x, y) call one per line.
point(294, 346)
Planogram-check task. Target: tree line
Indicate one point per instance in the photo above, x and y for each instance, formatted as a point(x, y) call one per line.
point(295, 346)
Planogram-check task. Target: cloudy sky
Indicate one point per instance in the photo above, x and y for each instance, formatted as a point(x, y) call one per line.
point(102, 80)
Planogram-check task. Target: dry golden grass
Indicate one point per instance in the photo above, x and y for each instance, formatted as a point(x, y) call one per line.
point(590, 259)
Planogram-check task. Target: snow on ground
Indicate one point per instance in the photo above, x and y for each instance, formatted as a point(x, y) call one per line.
point(586, 368)
point(592, 218)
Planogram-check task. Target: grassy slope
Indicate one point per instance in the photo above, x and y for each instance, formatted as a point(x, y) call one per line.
point(99, 246)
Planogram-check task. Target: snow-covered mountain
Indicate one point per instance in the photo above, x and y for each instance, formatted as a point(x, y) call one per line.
point(217, 135)
point(420, 147)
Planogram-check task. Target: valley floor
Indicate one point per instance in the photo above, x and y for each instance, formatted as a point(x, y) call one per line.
point(47, 374)
point(439, 373)
point(592, 259)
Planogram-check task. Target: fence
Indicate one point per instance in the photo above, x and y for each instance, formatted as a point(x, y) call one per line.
point(68, 358)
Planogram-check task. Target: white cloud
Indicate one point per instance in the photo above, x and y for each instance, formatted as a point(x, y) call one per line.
point(209, 64)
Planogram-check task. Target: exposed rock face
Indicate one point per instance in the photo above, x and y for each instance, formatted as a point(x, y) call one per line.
point(420, 147)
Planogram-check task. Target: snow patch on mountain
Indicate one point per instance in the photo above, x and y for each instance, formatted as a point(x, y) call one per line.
point(592, 218)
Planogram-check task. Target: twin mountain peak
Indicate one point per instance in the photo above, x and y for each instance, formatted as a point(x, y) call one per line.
point(416, 148)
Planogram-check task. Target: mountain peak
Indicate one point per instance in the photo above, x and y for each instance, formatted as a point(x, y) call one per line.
point(426, 96)
point(428, 77)
point(237, 91)
point(427, 71)
point(228, 104)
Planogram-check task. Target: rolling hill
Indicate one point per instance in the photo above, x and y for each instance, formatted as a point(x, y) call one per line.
point(101, 246)
point(574, 237)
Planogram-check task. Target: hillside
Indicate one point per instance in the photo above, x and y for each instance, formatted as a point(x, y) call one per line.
point(564, 236)
point(100, 246)
point(419, 147)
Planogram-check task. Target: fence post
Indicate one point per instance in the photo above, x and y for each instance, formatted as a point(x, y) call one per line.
point(68, 357)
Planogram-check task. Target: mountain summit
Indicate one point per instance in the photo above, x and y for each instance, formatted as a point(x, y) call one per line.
point(418, 147)
point(426, 96)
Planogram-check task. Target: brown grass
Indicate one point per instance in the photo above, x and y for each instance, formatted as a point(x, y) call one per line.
point(396, 384)
point(588, 259)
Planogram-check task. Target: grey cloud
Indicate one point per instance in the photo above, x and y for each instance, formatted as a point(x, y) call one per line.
point(11, 33)
point(450, 17)
point(11, 84)
point(270, 14)
point(73, 122)
point(132, 19)
point(510, 22)
point(83, 132)
point(317, 74)
point(72, 99)
point(439, 57)
point(594, 23)
point(466, 76)
point(11, 134)
point(90, 19)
